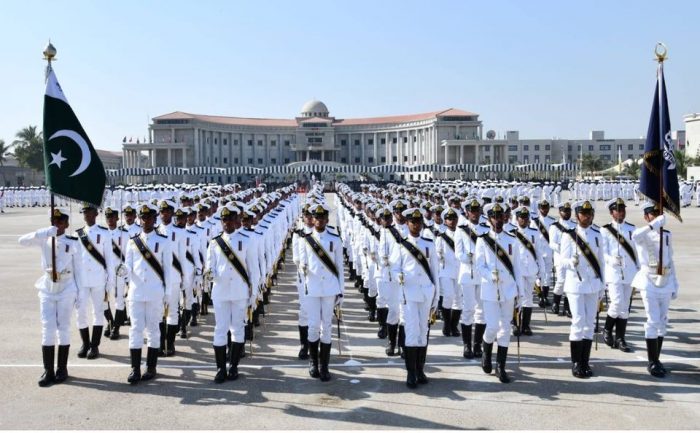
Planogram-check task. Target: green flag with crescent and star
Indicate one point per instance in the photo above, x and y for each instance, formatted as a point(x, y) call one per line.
point(73, 168)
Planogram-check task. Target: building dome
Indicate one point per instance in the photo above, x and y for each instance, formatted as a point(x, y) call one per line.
point(314, 108)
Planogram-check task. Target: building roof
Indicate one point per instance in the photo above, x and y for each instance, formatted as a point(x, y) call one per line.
point(252, 121)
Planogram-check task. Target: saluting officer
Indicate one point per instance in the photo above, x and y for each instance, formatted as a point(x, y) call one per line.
point(232, 267)
point(56, 295)
point(415, 263)
point(581, 258)
point(321, 260)
point(148, 259)
point(496, 259)
point(96, 273)
point(658, 288)
point(620, 268)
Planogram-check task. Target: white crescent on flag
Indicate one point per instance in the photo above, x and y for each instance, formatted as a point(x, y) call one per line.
point(86, 157)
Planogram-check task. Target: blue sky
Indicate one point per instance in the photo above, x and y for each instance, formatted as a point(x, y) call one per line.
point(546, 68)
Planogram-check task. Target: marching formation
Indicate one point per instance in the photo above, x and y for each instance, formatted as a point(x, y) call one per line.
point(479, 257)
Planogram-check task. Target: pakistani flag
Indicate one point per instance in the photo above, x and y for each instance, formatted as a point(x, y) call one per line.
point(72, 167)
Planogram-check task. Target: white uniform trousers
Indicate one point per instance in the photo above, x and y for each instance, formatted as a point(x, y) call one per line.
point(416, 316)
point(320, 310)
point(55, 317)
point(388, 297)
point(559, 284)
point(472, 306)
point(188, 296)
point(145, 316)
point(656, 308)
point(451, 294)
point(96, 297)
point(498, 316)
point(119, 296)
point(371, 282)
point(230, 316)
point(619, 304)
point(173, 306)
point(303, 308)
point(529, 285)
point(583, 311)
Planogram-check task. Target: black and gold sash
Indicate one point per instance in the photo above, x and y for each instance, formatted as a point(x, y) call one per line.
point(149, 257)
point(117, 251)
point(321, 253)
point(189, 257)
point(500, 253)
point(587, 252)
point(526, 243)
point(420, 258)
point(177, 265)
point(448, 240)
point(85, 240)
point(542, 228)
point(468, 230)
point(621, 239)
point(233, 259)
point(395, 233)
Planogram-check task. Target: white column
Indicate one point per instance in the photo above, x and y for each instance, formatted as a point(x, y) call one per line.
point(362, 148)
point(375, 150)
point(196, 147)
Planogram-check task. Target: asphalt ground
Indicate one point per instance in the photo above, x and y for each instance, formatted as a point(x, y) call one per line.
point(367, 390)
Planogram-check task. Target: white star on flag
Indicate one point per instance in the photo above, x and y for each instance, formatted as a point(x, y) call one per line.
point(57, 158)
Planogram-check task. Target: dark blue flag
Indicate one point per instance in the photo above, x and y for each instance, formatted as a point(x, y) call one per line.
point(659, 179)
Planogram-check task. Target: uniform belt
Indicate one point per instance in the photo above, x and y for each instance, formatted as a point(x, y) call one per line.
point(651, 270)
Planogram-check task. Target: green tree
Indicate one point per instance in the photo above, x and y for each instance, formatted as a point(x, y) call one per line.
point(29, 148)
point(683, 161)
point(633, 170)
point(591, 163)
point(4, 152)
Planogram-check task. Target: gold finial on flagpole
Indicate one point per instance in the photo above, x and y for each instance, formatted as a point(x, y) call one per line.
point(661, 52)
point(49, 52)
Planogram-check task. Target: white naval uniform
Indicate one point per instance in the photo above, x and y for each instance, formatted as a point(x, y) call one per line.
point(583, 293)
point(546, 251)
point(296, 246)
point(322, 286)
point(657, 292)
point(531, 268)
point(555, 239)
point(147, 291)
point(388, 290)
point(178, 238)
point(499, 296)
point(93, 278)
point(230, 293)
point(120, 237)
point(469, 278)
point(419, 294)
point(620, 268)
point(449, 270)
point(56, 300)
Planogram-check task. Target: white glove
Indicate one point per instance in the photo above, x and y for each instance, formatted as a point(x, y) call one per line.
point(252, 301)
point(618, 261)
point(339, 299)
point(601, 295)
point(538, 282)
point(658, 222)
point(574, 261)
point(494, 277)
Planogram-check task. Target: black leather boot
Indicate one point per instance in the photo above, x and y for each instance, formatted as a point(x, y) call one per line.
point(135, 375)
point(586, 356)
point(151, 361)
point(382, 314)
point(110, 322)
point(195, 310)
point(372, 308)
point(446, 322)
point(576, 359)
point(479, 329)
point(660, 342)
point(566, 311)
point(85, 337)
point(304, 340)
point(119, 318)
point(392, 331)
point(422, 354)
point(62, 363)
point(501, 356)
point(47, 355)
point(454, 322)
point(411, 358)
point(486, 359)
point(184, 320)
point(94, 351)
point(608, 331)
point(620, 330)
point(236, 349)
point(313, 359)
point(402, 341)
point(325, 358)
point(527, 316)
point(439, 308)
point(652, 356)
point(163, 337)
point(172, 333)
point(545, 294)
point(220, 356)
point(555, 304)
point(467, 341)
point(516, 322)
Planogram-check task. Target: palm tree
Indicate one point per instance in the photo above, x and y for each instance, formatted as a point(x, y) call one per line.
point(29, 147)
point(682, 162)
point(591, 163)
point(4, 152)
point(633, 170)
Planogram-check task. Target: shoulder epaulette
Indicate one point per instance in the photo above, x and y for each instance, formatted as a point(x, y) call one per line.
point(509, 234)
point(200, 228)
point(191, 231)
point(330, 227)
point(136, 235)
point(485, 225)
point(123, 229)
point(243, 234)
point(162, 236)
point(73, 238)
point(630, 224)
point(426, 239)
point(217, 218)
point(334, 234)
point(595, 229)
point(217, 236)
point(667, 231)
point(102, 227)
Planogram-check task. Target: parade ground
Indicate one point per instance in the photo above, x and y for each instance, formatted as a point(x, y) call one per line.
point(368, 389)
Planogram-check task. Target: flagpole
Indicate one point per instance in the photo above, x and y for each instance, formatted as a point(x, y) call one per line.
point(49, 54)
point(661, 57)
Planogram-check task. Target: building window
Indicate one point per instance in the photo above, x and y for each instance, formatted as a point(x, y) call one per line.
point(604, 147)
point(537, 147)
point(605, 157)
point(641, 146)
point(405, 139)
point(225, 142)
point(487, 148)
point(630, 156)
point(590, 148)
point(235, 160)
point(357, 160)
point(343, 142)
point(405, 158)
point(382, 141)
point(394, 159)
point(216, 160)
point(526, 147)
point(225, 160)
point(526, 159)
point(512, 159)
point(344, 160)
point(370, 141)
point(415, 158)
point(415, 138)
point(273, 143)
point(512, 148)
point(260, 142)
point(250, 142)
point(216, 141)
point(569, 148)
point(357, 142)
point(286, 160)
point(383, 159)
point(546, 158)
point(273, 161)
point(235, 142)
point(547, 147)
point(370, 160)
point(537, 159)
point(286, 143)
point(630, 147)
point(260, 161)
point(250, 160)
point(393, 140)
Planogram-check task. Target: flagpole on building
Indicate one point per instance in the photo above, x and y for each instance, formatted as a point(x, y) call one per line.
point(49, 54)
point(660, 51)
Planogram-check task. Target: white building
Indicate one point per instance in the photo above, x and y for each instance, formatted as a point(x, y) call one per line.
point(692, 135)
